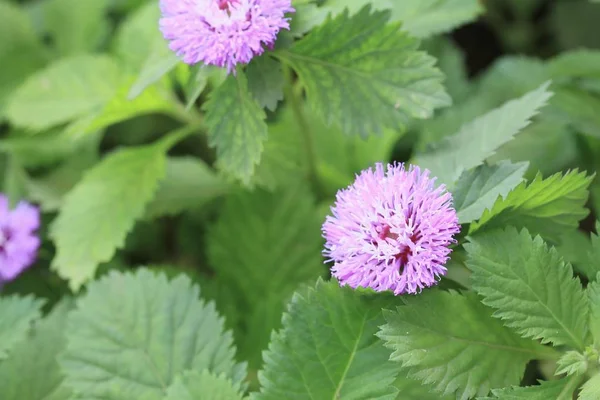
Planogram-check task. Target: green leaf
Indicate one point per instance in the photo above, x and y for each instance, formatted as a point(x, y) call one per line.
point(195, 385)
point(327, 348)
point(479, 139)
point(593, 294)
point(159, 63)
point(591, 389)
point(411, 389)
point(189, 184)
point(577, 63)
point(361, 90)
point(67, 89)
point(424, 18)
point(549, 208)
point(265, 81)
point(21, 46)
point(451, 341)
point(306, 17)
point(136, 332)
point(478, 189)
point(572, 363)
point(76, 26)
point(236, 127)
point(278, 247)
point(99, 212)
point(16, 316)
point(32, 372)
point(197, 82)
point(561, 389)
point(530, 286)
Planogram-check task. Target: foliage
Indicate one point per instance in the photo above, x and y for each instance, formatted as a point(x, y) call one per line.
point(181, 251)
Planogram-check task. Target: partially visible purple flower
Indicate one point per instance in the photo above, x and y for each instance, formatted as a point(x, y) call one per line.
point(391, 230)
point(18, 241)
point(222, 32)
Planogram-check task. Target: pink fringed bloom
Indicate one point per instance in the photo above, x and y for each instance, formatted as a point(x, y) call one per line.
point(222, 32)
point(18, 241)
point(391, 230)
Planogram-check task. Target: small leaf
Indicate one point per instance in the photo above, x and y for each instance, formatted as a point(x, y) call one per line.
point(236, 127)
point(16, 317)
point(572, 363)
point(478, 189)
point(99, 212)
point(479, 139)
point(67, 89)
point(32, 372)
point(195, 385)
point(550, 207)
point(265, 81)
point(136, 332)
point(189, 184)
point(593, 294)
point(327, 348)
point(451, 341)
point(361, 90)
point(532, 289)
point(561, 389)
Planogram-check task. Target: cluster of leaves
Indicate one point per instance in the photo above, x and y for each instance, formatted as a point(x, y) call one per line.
point(218, 185)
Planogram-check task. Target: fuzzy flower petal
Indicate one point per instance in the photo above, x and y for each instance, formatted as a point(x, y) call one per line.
point(18, 242)
point(222, 32)
point(391, 230)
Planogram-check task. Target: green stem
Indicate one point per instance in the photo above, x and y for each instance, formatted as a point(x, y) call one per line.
point(178, 135)
point(295, 100)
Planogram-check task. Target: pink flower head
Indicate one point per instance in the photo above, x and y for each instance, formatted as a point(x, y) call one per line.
point(222, 32)
point(390, 230)
point(18, 242)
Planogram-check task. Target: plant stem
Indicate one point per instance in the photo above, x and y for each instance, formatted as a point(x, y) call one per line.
point(174, 137)
point(295, 100)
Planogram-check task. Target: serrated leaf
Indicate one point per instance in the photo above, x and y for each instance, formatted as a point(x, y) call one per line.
point(136, 332)
point(306, 17)
point(424, 18)
point(101, 209)
point(189, 184)
point(561, 389)
point(277, 248)
point(265, 81)
point(593, 294)
point(530, 286)
point(451, 341)
point(327, 348)
point(479, 188)
point(236, 127)
point(550, 207)
point(591, 389)
point(479, 139)
point(195, 385)
point(571, 363)
point(67, 89)
point(361, 90)
point(16, 316)
point(75, 26)
point(21, 46)
point(32, 372)
point(412, 389)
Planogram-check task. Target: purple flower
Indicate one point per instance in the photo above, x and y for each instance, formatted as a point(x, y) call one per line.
point(390, 230)
point(18, 242)
point(222, 32)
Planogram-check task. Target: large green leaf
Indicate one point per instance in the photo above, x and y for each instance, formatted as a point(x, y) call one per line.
point(101, 209)
point(189, 183)
point(265, 81)
point(561, 389)
point(76, 26)
point(327, 348)
point(264, 245)
point(32, 372)
point(359, 89)
point(591, 389)
point(530, 286)
point(67, 89)
point(195, 385)
point(423, 18)
point(236, 127)
point(550, 207)
point(20, 45)
point(593, 294)
point(479, 139)
point(451, 341)
point(16, 316)
point(479, 188)
point(136, 332)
